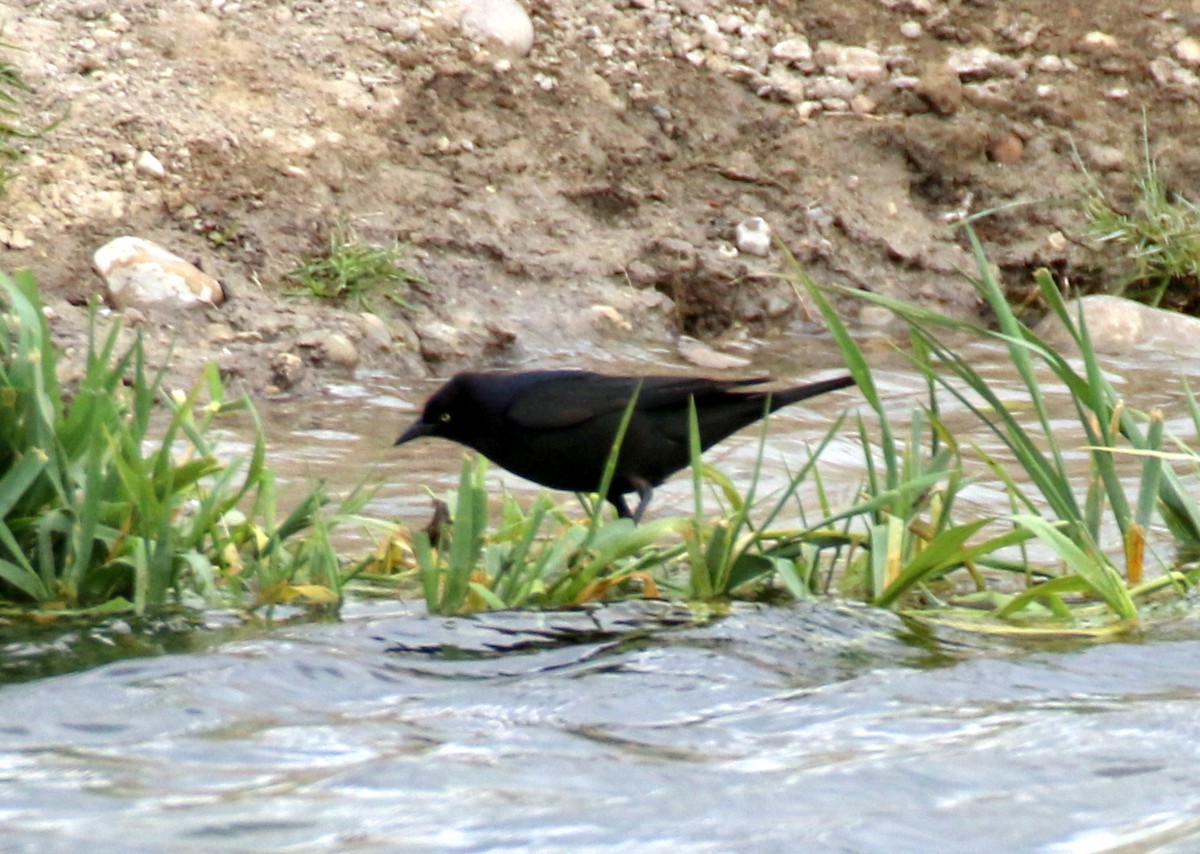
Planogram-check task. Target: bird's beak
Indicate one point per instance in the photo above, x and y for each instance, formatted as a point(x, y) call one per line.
point(416, 431)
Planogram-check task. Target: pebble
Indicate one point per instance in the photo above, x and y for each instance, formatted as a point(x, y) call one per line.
point(1099, 39)
point(14, 238)
point(339, 350)
point(217, 333)
point(502, 24)
point(1049, 63)
point(852, 63)
point(875, 316)
point(375, 330)
point(1168, 72)
point(287, 369)
point(1187, 50)
point(795, 51)
point(911, 29)
point(785, 85)
point(1103, 158)
point(137, 272)
point(149, 165)
point(754, 236)
point(864, 105)
point(332, 347)
point(1007, 150)
point(703, 356)
point(807, 109)
point(826, 86)
point(981, 63)
point(606, 315)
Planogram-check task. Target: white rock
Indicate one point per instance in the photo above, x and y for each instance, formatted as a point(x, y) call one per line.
point(1096, 38)
point(826, 86)
point(911, 29)
point(1168, 72)
point(754, 236)
point(1049, 63)
point(784, 84)
point(863, 105)
point(14, 238)
point(853, 63)
point(807, 109)
point(497, 23)
point(979, 63)
point(137, 272)
point(148, 164)
point(795, 51)
point(1187, 51)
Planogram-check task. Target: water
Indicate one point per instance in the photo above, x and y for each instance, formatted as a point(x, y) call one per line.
point(634, 727)
point(630, 728)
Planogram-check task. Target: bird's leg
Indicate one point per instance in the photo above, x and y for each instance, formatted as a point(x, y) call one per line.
point(645, 493)
point(617, 500)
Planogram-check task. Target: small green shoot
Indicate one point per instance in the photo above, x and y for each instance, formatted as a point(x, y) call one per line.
point(1157, 235)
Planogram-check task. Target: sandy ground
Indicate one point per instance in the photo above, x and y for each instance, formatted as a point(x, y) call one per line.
point(586, 195)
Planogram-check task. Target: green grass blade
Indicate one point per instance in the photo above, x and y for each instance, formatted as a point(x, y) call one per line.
point(1092, 567)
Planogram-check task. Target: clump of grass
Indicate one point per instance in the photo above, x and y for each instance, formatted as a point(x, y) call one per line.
point(1158, 236)
point(1046, 501)
point(97, 508)
point(350, 269)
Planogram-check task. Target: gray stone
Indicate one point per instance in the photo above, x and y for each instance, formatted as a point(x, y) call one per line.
point(1119, 326)
point(375, 330)
point(338, 350)
point(287, 369)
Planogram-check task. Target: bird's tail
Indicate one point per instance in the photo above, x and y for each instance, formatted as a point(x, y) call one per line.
point(802, 392)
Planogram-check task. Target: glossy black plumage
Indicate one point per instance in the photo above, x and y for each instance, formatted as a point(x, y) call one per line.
point(557, 428)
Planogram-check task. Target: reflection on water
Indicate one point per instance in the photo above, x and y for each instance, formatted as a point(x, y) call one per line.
point(640, 727)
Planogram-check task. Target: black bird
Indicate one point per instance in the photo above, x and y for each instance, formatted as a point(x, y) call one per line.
point(557, 428)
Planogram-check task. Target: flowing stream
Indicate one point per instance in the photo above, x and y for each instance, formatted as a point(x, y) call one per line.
point(641, 726)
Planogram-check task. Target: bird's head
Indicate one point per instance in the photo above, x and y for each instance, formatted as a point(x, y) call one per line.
point(447, 414)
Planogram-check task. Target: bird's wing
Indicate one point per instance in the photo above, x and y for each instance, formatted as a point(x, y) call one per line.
point(672, 392)
point(572, 399)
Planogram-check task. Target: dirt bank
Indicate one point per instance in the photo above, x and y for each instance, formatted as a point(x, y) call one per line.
point(585, 196)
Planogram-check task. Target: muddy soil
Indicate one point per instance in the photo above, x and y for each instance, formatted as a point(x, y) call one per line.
point(585, 196)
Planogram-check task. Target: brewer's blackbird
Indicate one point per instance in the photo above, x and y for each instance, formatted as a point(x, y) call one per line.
point(557, 428)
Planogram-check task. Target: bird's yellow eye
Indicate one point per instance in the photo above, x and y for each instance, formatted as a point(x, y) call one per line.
point(444, 417)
